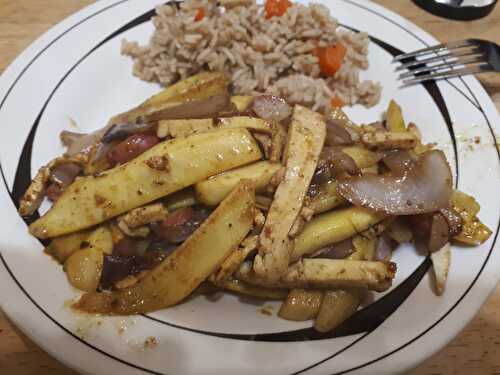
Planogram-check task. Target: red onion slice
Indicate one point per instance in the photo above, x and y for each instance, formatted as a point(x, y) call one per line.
point(271, 108)
point(337, 134)
point(339, 250)
point(385, 246)
point(425, 188)
point(399, 161)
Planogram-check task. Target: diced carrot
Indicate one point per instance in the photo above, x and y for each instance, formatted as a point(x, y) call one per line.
point(337, 102)
point(330, 59)
point(200, 14)
point(276, 7)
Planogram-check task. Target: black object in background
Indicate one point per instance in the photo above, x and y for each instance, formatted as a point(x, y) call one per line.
point(454, 9)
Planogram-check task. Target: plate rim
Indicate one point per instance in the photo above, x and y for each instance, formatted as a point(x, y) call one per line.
point(19, 63)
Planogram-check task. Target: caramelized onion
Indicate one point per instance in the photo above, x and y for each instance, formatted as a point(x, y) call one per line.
point(453, 219)
point(199, 108)
point(118, 132)
point(114, 269)
point(85, 143)
point(385, 247)
point(68, 138)
point(339, 250)
point(431, 231)
point(271, 108)
point(399, 161)
point(338, 162)
point(424, 188)
point(64, 174)
point(337, 134)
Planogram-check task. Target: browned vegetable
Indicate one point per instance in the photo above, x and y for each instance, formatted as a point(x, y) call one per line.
point(301, 305)
point(425, 188)
point(169, 283)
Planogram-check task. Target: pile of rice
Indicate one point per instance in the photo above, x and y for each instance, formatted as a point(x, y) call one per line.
point(274, 55)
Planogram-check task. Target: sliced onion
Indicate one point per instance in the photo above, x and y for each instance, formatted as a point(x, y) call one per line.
point(64, 174)
point(54, 192)
point(126, 248)
point(431, 231)
point(385, 247)
point(337, 134)
point(424, 188)
point(86, 143)
point(200, 108)
point(322, 174)
point(118, 132)
point(453, 219)
point(176, 229)
point(68, 138)
point(440, 233)
point(399, 161)
point(339, 250)
point(114, 269)
point(338, 161)
point(271, 108)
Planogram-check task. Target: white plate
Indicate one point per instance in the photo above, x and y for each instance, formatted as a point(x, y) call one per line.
point(75, 70)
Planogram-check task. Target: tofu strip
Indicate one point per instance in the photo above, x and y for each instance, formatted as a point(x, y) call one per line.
point(329, 274)
point(305, 142)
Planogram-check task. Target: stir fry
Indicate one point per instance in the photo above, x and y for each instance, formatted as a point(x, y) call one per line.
point(197, 188)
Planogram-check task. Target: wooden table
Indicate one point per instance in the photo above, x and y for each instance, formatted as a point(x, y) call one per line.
point(475, 351)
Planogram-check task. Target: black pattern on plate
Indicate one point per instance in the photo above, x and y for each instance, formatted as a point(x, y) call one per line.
point(401, 293)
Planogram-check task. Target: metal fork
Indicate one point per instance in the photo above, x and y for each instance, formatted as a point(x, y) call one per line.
point(448, 60)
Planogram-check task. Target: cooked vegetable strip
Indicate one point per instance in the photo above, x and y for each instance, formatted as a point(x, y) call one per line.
point(234, 260)
point(180, 199)
point(188, 266)
point(84, 267)
point(362, 157)
point(183, 128)
point(278, 139)
point(240, 287)
point(305, 141)
point(145, 215)
point(200, 86)
point(337, 306)
point(301, 304)
point(326, 199)
point(383, 140)
point(245, 122)
point(242, 102)
point(333, 227)
point(94, 199)
point(473, 231)
point(61, 248)
point(210, 192)
point(394, 118)
point(328, 273)
point(441, 264)
point(33, 197)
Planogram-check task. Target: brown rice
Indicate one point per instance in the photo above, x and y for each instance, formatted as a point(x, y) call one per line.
point(260, 55)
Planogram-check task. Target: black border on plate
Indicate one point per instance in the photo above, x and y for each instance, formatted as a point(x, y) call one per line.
point(142, 19)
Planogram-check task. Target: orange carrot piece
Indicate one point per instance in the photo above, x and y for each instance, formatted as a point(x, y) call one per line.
point(337, 102)
point(276, 7)
point(200, 14)
point(330, 58)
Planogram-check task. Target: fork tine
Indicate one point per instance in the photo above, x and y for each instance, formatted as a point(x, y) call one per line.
point(439, 47)
point(429, 69)
point(429, 60)
point(448, 74)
